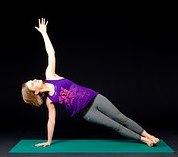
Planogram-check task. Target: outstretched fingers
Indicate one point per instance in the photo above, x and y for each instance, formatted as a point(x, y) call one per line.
point(44, 144)
point(42, 25)
point(42, 21)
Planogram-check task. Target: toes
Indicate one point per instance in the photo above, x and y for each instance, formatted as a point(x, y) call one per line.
point(154, 139)
point(150, 144)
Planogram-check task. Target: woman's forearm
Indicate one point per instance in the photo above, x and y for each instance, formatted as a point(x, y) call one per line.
point(48, 45)
point(50, 129)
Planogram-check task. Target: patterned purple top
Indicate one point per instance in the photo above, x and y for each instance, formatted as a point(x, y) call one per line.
point(70, 94)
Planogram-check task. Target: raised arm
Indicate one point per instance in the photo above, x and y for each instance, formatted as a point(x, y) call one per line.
point(42, 28)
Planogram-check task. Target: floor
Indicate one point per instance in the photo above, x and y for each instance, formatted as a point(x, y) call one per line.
point(9, 138)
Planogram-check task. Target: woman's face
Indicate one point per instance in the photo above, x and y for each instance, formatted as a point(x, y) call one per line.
point(34, 84)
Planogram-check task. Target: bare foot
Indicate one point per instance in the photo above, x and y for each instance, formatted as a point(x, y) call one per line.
point(153, 138)
point(149, 142)
point(150, 137)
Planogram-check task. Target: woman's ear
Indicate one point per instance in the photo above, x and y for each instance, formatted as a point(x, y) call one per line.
point(37, 91)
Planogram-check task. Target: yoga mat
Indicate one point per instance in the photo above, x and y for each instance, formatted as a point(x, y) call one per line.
point(89, 146)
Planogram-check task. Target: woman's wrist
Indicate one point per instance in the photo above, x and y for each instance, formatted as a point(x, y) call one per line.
point(43, 32)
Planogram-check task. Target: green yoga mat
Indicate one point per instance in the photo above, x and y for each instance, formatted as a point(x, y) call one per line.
point(90, 146)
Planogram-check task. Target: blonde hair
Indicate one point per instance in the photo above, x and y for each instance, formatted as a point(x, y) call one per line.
point(30, 97)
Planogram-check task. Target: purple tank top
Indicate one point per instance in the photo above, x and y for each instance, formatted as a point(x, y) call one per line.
point(73, 96)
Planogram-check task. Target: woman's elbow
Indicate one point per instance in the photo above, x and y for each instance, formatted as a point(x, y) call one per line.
point(51, 121)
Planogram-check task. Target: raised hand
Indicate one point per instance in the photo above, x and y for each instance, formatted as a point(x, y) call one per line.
point(42, 28)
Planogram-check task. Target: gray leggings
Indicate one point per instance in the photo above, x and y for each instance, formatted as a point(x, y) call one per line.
point(103, 112)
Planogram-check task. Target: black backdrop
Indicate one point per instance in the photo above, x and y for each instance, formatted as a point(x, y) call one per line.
point(127, 54)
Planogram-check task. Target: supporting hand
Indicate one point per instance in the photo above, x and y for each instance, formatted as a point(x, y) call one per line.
point(44, 144)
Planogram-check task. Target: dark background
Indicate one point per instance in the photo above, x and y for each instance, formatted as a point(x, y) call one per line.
point(126, 52)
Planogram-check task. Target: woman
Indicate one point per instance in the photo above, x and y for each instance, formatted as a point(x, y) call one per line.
point(91, 105)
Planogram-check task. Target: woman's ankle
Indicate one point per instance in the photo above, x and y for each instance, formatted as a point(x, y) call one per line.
point(150, 137)
point(149, 142)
